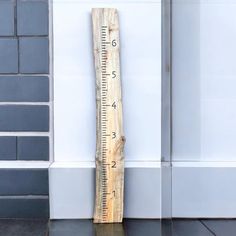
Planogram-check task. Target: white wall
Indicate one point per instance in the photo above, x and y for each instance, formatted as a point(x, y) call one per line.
point(204, 108)
point(74, 79)
point(72, 173)
point(203, 112)
point(204, 80)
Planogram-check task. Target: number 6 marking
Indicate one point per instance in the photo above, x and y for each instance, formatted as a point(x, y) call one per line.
point(114, 43)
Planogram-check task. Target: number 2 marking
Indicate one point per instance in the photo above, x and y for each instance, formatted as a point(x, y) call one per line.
point(113, 164)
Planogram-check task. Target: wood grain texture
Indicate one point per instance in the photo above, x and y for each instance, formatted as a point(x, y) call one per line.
point(110, 136)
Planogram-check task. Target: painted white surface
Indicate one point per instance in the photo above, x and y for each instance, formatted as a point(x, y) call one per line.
point(204, 191)
point(204, 80)
point(73, 198)
point(24, 164)
point(166, 190)
point(204, 109)
point(74, 79)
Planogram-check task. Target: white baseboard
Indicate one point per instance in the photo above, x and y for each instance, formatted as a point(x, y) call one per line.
point(72, 190)
point(204, 190)
point(199, 190)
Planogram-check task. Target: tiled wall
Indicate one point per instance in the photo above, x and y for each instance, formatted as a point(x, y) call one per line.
point(24, 148)
point(24, 107)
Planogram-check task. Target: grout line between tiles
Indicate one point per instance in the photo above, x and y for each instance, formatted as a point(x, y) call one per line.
point(205, 225)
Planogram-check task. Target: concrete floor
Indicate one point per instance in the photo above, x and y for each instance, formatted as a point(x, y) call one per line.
point(128, 228)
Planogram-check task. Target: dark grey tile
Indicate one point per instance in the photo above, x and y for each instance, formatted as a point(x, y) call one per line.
point(87, 228)
point(24, 89)
point(33, 148)
point(190, 227)
point(221, 227)
point(24, 118)
point(23, 182)
point(20, 207)
point(7, 148)
point(142, 227)
point(7, 18)
point(23, 227)
point(34, 55)
point(32, 17)
point(8, 55)
point(71, 228)
point(167, 228)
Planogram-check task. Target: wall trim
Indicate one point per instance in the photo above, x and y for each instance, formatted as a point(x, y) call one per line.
point(72, 190)
point(203, 190)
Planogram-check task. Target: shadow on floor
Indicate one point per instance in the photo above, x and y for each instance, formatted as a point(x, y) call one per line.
point(87, 228)
point(23, 227)
point(130, 227)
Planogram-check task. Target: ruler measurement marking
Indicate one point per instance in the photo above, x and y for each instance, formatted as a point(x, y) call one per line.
point(104, 115)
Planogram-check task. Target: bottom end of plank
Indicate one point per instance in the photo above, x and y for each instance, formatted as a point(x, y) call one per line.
point(102, 221)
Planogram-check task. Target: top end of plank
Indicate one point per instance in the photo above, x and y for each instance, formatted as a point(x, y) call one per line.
point(103, 9)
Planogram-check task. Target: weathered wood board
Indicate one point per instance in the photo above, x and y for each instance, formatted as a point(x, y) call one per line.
point(110, 136)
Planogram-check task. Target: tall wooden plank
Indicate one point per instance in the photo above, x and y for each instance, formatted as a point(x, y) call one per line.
point(110, 136)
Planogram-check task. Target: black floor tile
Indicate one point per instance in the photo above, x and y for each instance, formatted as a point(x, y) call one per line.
point(142, 227)
point(87, 228)
point(221, 227)
point(23, 227)
point(71, 228)
point(130, 227)
point(167, 228)
point(190, 228)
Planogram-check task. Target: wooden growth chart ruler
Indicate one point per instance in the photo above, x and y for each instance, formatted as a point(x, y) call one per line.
point(110, 137)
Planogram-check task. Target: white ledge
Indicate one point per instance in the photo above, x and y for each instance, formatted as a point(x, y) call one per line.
point(223, 164)
point(91, 164)
point(24, 164)
point(108, 1)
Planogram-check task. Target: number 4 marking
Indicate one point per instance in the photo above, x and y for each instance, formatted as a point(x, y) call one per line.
point(114, 105)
